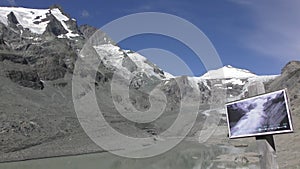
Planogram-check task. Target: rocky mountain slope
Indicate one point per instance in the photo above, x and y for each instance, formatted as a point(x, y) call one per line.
point(38, 51)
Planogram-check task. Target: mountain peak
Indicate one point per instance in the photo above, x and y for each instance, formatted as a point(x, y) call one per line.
point(228, 66)
point(228, 71)
point(37, 20)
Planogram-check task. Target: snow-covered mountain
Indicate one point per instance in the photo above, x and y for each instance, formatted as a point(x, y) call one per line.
point(44, 39)
point(38, 21)
point(38, 51)
point(116, 58)
point(228, 72)
point(234, 80)
point(144, 74)
point(32, 24)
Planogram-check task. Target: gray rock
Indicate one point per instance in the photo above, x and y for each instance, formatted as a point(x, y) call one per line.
point(15, 58)
point(291, 67)
point(54, 27)
point(87, 30)
point(12, 20)
point(51, 68)
point(27, 78)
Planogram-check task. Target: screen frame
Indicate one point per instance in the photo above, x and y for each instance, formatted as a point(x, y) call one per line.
point(286, 100)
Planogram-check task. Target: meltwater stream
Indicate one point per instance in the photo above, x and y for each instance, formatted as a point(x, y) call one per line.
point(251, 121)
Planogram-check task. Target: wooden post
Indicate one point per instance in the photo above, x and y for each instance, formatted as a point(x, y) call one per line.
point(265, 144)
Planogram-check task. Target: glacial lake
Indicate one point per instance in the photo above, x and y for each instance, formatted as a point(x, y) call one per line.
point(187, 155)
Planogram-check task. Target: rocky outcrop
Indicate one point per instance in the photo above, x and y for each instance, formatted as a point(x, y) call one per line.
point(87, 30)
point(129, 64)
point(27, 78)
point(289, 79)
point(49, 56)
point(13, 21)
point(72, 25)
point(7, 35)
point(99, 37)
point(15, 58)
point(51, 68)
point(54, 27)
point(291, 67)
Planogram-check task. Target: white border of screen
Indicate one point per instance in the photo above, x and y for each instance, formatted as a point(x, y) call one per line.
point(263, 133)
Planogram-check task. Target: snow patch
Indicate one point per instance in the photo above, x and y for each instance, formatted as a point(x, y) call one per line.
point(193, 82)
point(26, 17)
point(233, 81)
point(197, 80)
point(228, 72)
point(113, 55)
point(110, 55)
point(142, 64)
point(62, 18)
point(35, 19)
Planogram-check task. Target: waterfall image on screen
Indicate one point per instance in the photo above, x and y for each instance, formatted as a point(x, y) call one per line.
point(260, 115)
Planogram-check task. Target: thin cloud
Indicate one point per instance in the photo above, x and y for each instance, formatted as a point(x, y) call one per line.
point(12, 2)
point(85, 14)
point(176, 7)
point(145, 7)
point(276, 30)
point(241, 2)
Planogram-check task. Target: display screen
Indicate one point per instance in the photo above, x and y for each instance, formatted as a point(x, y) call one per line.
point(260, 115)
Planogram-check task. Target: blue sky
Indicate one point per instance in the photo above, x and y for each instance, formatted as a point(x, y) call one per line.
point(258, 35)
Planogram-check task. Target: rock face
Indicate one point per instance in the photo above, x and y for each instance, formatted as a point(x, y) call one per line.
point(289, 79)
point(54, 27)
point(15, 58)
point(291, 67)
point(87, 30)
point(12, 19)
point(36, 67)
point(46, 54)
point(27, 78)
